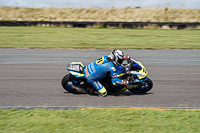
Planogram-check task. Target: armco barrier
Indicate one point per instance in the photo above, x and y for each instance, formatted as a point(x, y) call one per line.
point(133, 25)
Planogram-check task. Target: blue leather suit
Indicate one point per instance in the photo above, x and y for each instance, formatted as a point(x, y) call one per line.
point(99, 69)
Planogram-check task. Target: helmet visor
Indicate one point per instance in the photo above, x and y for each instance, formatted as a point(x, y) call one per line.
point(120, 61)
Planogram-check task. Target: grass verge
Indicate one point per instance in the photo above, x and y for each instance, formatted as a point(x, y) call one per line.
point(99, 120)
point(49, 37)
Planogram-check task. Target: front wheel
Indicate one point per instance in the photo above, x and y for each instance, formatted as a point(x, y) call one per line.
point(142, 87)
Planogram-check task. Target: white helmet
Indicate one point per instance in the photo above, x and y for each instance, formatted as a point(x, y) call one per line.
point(117, 56)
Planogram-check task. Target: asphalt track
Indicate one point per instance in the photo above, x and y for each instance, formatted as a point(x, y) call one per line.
point(31, 78)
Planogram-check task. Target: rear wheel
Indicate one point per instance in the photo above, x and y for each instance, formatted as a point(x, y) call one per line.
point(66, 82)
point(142, 87)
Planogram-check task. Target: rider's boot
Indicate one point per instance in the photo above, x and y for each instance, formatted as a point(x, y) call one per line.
point(102, 92)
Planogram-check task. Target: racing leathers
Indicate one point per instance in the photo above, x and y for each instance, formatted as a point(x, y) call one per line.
point(100, 69)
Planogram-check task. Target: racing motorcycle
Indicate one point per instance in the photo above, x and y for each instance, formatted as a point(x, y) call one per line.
point(132, 71)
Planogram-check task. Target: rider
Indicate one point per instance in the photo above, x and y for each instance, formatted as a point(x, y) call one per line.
point(101, 68)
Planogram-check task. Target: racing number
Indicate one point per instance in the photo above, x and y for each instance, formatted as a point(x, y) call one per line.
point(144, 70)
point(100, 60)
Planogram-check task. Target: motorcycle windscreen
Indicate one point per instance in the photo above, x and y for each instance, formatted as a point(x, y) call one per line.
point(135, 67)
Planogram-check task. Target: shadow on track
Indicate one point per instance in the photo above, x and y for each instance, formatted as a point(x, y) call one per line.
point(113, 94)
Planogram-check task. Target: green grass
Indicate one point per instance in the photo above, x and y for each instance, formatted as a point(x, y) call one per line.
point(99, 121)
point(52, 37)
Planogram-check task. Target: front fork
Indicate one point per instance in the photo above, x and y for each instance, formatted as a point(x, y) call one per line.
point(134, 82)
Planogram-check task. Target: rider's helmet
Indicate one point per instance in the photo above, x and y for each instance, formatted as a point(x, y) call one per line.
point(117, 57)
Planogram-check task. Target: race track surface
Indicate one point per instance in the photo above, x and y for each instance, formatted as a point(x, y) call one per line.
point(31, 77)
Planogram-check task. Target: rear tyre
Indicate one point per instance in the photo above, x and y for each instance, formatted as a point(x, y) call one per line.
point(143, 87)
point(66, 82)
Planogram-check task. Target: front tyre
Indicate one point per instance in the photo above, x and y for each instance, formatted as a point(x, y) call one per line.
point(142, 87)
point(66, 83)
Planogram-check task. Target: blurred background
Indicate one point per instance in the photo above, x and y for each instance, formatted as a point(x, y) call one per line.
point(185, 4)
point(184, 11)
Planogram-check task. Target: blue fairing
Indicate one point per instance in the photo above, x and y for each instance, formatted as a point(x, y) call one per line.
point(137, 80)
point(145, 79)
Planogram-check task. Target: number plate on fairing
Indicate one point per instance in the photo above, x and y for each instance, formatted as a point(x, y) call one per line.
point(76, 66)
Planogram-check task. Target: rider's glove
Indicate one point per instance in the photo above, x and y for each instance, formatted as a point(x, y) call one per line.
point(125, 82)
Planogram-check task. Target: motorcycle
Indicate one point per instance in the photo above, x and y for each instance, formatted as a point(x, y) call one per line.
point(132, 71)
